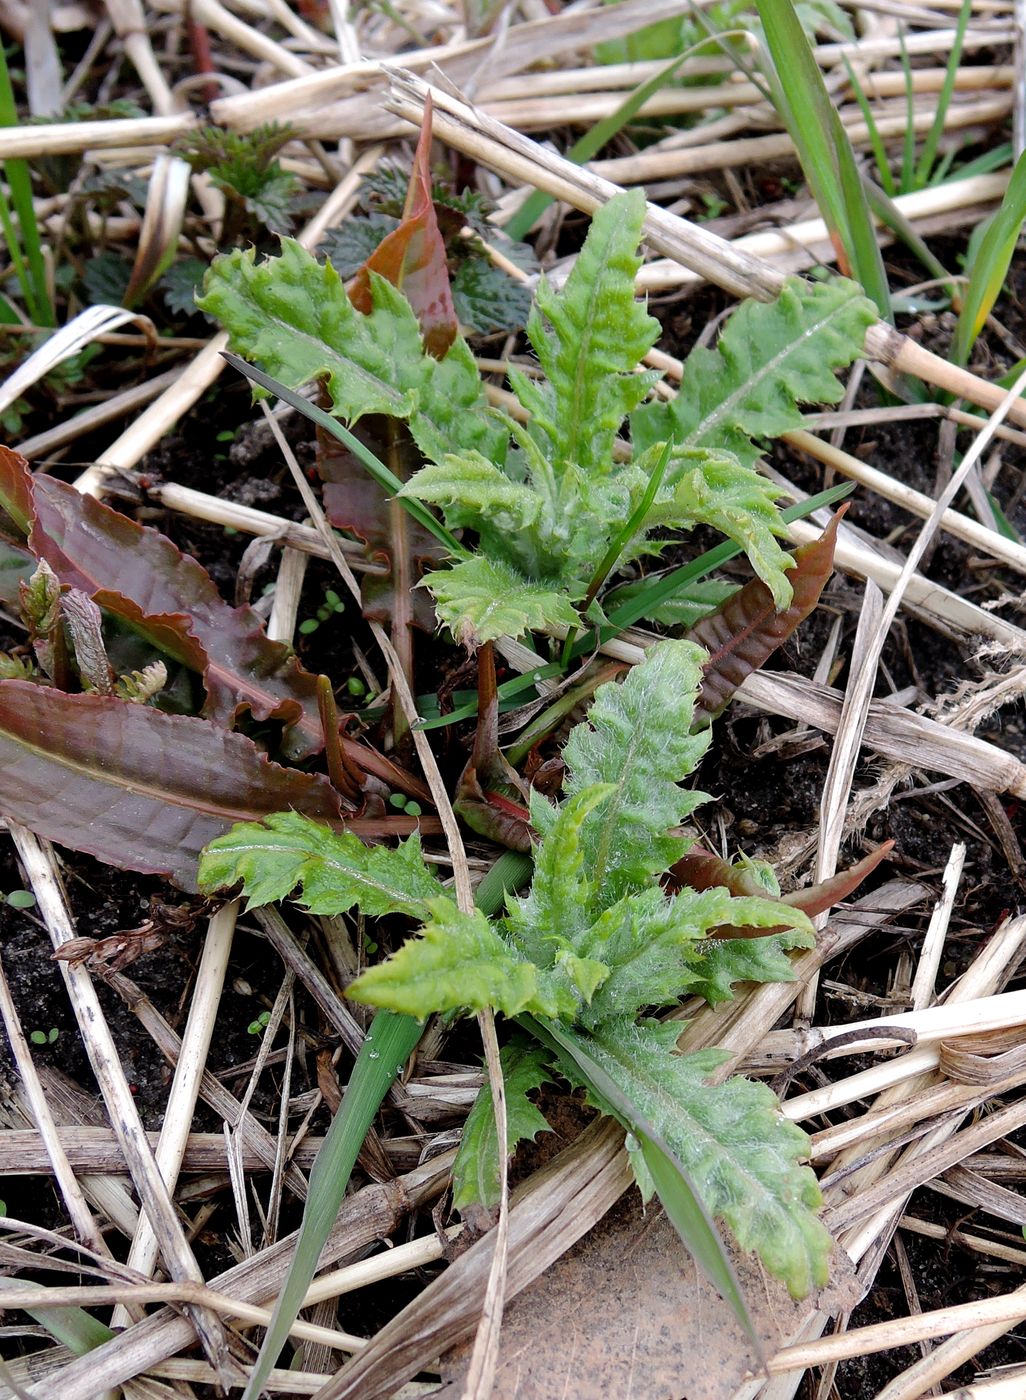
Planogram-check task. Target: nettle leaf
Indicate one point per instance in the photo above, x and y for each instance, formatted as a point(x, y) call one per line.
point(470, 486)
point(458, 963)
point(771, 358)
point(475, 1173)
point(599, 332)
point(650, 945)
point(292, 316)
point(486, 298)
point(637, 738)
point(334, 870)
point(739, 1152)
point(713, 488)
point(480, 599)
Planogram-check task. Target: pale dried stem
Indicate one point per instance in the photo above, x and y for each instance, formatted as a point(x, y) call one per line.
point(130, 26)
point(72, 138)
point(924, 983)
point(37, 857)
point(184, 1091)
point(74, 1200)
point(242, 35)
point(365, 1217)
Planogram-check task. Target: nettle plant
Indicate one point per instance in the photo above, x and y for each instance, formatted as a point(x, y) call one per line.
point(584, 957)
point(556, 500)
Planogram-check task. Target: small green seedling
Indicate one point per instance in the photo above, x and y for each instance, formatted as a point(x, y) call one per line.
point(45, 1037)
point(259, 1024)
point(19, 899)
point(332, 604)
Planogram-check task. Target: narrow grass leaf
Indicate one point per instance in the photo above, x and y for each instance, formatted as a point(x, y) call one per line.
point(990, 264)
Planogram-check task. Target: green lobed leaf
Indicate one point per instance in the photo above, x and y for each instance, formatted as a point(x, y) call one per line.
point(480, 599)
point(333, 869)
point(771, 358)
point(458, 963)
point(487, 299)
point(637, 738)
point(475, 1173)
point(713, 488)
point(469, 486)
point(739, 1152)
point(716, 964)
point(650, 944)
point(293, 317)
point(599, 333)
point(555, 913)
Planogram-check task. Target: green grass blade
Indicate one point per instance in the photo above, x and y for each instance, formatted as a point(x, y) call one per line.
point(867, 260)
point(801, 99)
point(510, 873)
point(385, 478)
point(928, 154)
point(680, 1200)
point(388, 1044)
point(908, 144)
point(19, 181)
point(883, 165)
point(889, 214)
point(990, 264)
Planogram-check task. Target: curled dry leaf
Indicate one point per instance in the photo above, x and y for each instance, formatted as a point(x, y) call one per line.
point(748, 627)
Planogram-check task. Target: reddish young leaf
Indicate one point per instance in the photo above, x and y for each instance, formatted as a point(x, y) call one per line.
point(412, 257)
point(490, 796)
point(703, 870)
point(15, 495)
point(135, 787)
point(745, 630)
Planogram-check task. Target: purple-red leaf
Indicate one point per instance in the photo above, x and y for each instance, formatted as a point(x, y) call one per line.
point(412, 257)
point(746, 629)
point(138, 574)
point(15, 495)
point(703, 870)
point(136, 787)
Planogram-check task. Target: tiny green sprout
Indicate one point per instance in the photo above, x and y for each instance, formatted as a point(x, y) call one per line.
point(356, 687)
point(259, 1025)
point(19, 899)
point(397, 800)
point(44, 1037)
point(226, 435)
point(413, 809)
point(3, 1207)
point(333, 601)
point(308, 625)
point(230, 530)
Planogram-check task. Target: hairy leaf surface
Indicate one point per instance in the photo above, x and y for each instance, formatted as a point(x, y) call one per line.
point(738, 1150)
point(133, 786)
point(637, 738)
point(480, 599)
point(475, 1173)
point(334, 870)
point(599, 332)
